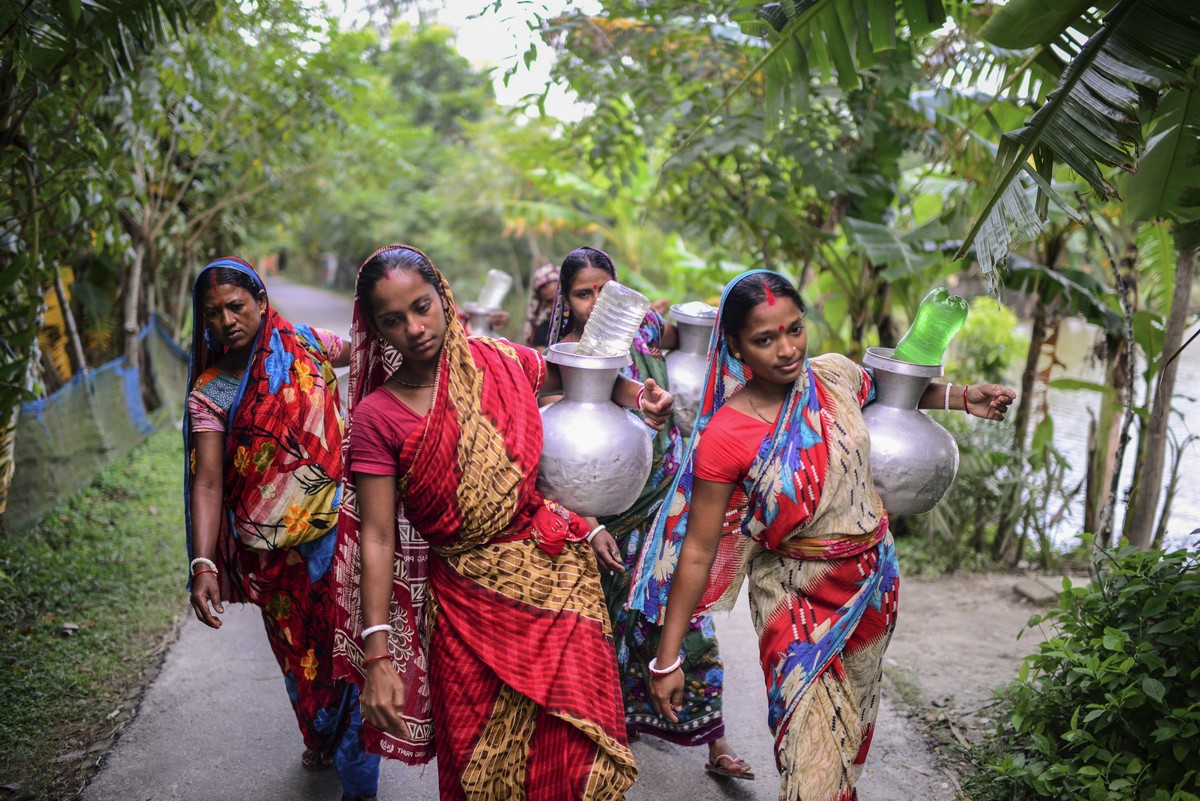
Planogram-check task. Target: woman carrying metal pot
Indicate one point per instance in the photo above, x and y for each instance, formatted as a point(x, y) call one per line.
point(776, 486)
point(618, 546)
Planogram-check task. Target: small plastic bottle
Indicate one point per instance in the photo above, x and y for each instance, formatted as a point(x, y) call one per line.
point(491, 297)
point(938, 320)
point(616, 317)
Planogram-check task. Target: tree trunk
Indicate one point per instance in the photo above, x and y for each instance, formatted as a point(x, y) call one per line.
point(1150, 471)
point(69, 323)
point(133, 289)
point(1102, 457)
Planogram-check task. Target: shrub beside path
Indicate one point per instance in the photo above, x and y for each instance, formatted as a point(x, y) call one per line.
point(216, 724)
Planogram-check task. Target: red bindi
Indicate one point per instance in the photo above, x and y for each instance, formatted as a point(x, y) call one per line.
point(781, 328)
point(595, 287)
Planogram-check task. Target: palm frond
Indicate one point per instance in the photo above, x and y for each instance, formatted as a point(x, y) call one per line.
point(1091, 119)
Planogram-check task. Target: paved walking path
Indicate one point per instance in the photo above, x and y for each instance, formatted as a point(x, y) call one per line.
point(216, 725)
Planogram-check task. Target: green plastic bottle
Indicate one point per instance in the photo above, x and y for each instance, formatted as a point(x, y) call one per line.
point(938, 320)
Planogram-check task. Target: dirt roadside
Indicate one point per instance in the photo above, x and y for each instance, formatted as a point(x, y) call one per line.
point(956, 641)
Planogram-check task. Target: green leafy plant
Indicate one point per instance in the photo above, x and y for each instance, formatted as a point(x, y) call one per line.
point(1108, 708)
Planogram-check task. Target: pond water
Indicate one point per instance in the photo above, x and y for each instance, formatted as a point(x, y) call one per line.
point(1073, 409)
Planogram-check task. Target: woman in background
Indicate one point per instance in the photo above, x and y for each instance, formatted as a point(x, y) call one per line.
point(543, 289)
point(584, 273)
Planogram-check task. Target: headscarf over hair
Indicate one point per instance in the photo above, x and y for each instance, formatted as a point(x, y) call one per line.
point(782, 487)
point(539, 310)
point(283, 439)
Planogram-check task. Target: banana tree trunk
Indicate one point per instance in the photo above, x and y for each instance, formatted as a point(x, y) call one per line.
point(1150, 472)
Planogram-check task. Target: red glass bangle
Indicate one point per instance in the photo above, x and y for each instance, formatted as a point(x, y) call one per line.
point(379, 658)
point(205, 570)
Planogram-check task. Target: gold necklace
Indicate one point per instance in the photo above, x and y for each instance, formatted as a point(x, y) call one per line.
point(754, 406)
point(414, 386)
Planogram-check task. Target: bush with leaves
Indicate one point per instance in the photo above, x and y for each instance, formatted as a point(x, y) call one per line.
point(1108, 709)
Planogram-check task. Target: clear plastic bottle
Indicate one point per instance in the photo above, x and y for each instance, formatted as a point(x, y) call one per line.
point(938, 320)
point(491, 297)
point(616, 317)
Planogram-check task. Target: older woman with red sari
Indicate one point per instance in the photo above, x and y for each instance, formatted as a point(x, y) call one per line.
point(263, 436)
point(471, 608)
point(776, 486)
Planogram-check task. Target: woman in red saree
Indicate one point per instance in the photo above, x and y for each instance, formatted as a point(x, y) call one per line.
point(486, 637)
point(776, 487)
point(263, 438)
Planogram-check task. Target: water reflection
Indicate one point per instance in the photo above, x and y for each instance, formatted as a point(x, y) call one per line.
point(1073, 409)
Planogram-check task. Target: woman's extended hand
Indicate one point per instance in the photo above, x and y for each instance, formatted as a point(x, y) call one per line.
point(206, 596)
point(382, 698)
point(657, 405)
point(666, 694)
point(989, 401)
point(498, 319)
point(608, 555)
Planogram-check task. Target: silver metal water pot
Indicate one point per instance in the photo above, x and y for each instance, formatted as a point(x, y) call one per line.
point(478, 315)
point(913, 459)
point(596, 456)
point(688, 364)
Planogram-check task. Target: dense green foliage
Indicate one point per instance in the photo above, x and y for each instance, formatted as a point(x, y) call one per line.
point(1108, 709)
point(86, 600)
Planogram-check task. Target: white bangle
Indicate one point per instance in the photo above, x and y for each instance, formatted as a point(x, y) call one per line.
point(592, 534)
point(372, 629)
point(655, 670)
point(946, 406)
point(201, 560)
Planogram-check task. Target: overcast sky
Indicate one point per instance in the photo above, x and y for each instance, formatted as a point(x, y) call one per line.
point(496, 41)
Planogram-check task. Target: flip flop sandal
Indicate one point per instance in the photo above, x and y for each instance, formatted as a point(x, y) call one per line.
point(312, 760)
point(733, 767)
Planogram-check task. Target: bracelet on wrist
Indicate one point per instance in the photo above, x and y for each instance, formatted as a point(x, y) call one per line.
point(200, 560)
point(946, 400)
point(592, 534)
point(205, 570)
point(369, 630)
point(966, 389)
point(655, 670)
point(641, 393)
point(379, 658)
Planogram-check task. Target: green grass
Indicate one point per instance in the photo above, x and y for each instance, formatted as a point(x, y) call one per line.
point(109, 566)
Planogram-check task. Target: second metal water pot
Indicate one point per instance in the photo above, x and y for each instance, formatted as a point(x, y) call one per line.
point(688, 364)
point(913, 459)
point(596, 456)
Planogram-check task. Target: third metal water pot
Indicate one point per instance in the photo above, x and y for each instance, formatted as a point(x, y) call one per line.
point(596, 456)
point(913, 459)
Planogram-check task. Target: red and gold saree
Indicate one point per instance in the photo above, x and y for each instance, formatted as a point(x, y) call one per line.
point(500, 631)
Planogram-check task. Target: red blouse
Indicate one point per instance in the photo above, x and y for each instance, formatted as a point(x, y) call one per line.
point(381, 424)
point(729, 445)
